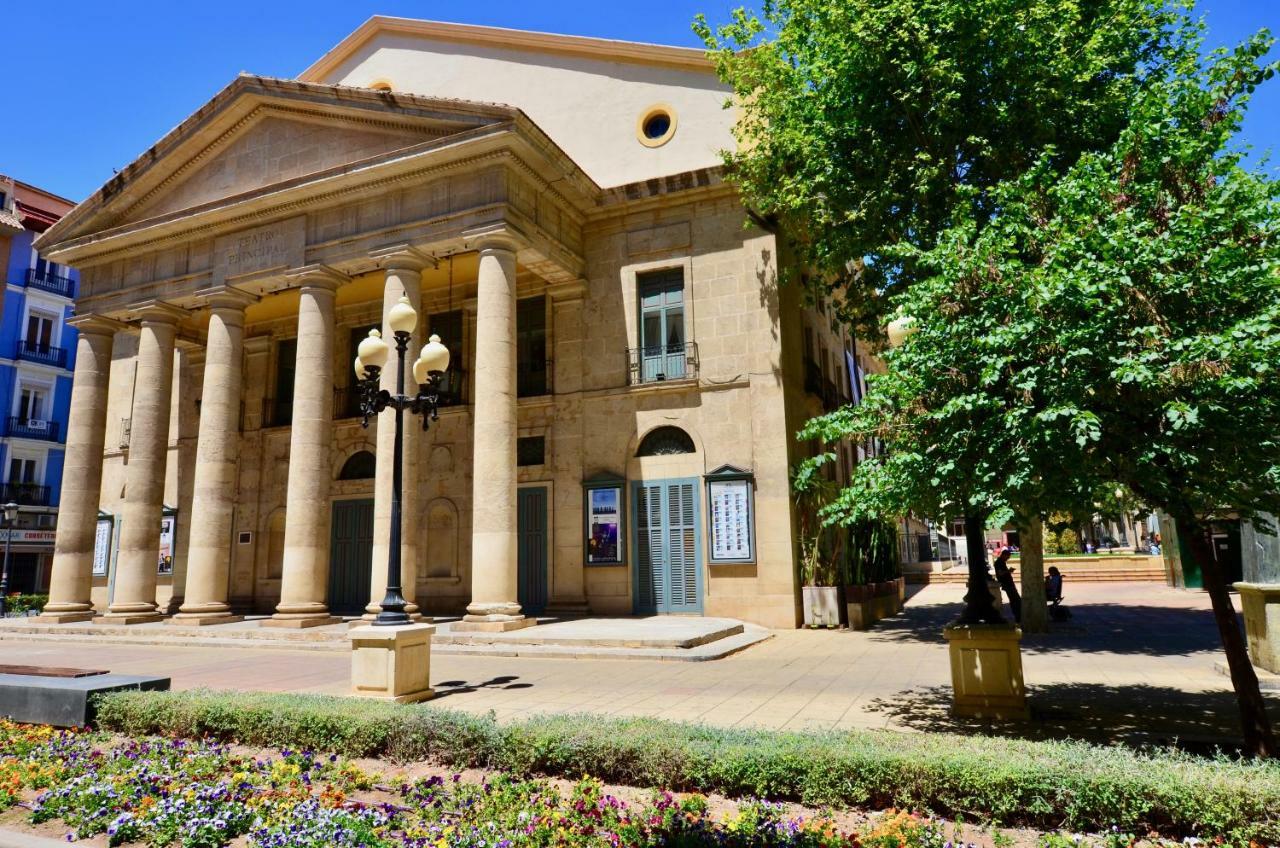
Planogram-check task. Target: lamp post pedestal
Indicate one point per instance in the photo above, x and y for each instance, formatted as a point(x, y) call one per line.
point(392, 663)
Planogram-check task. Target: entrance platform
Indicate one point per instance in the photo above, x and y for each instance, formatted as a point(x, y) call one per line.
point(678, 638)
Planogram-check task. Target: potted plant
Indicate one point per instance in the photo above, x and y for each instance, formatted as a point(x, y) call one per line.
point(874, 569)
point(819, 560)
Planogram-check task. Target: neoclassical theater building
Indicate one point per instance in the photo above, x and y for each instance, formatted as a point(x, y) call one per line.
point(617, 423)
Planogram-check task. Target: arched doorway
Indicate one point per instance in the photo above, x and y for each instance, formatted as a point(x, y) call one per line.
point(668, 574)
point(351, 540)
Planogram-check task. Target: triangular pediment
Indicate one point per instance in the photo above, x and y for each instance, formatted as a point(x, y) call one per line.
point(260, 132)
point(275, 147)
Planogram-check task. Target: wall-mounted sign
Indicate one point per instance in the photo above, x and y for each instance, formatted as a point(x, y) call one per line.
point(732, 519)
point(168, 526)
point(603, 520)
point(102, 547)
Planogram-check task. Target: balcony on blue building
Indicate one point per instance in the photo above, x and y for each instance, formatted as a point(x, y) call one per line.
point(32, 428)
point(45, 354)
point(46, 280)
point(25, 494)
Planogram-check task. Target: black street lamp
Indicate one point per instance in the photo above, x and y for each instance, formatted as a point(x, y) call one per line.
point(427, 370)
point(10, 517)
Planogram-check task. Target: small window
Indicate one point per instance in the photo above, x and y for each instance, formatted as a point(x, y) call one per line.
point(665, 441)
point(531, 450)
point(656, 126)
point(362, 465)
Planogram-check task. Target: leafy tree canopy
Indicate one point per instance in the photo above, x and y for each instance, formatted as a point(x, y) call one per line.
point(865, 123)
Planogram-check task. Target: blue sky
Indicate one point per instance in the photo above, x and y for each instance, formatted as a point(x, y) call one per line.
point(90, 85)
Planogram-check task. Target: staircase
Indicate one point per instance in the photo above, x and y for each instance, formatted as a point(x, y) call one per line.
point(1118, 569)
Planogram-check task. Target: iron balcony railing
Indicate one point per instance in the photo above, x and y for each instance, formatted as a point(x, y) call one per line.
point(25, 494)
point(346, 403)
point(55, 283)
point(659, 363)
point(277, 413)
point(812, 378)
point(33, 428)
point(42, 353)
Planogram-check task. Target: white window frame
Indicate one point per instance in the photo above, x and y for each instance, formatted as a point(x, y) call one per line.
point(40, 458)
point(46, 389)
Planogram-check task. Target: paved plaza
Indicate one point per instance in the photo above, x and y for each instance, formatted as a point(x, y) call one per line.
point(1136, 664)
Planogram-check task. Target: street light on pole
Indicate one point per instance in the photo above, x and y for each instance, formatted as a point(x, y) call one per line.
point(10, 516)
point(430, 366)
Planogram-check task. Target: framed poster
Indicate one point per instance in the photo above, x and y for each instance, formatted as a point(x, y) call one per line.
point(102, 547)
point(603, 520)
point(731, 516)
point(168, 526)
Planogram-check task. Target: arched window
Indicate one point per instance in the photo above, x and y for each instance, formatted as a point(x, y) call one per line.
point(362, 465)
point(664, 441)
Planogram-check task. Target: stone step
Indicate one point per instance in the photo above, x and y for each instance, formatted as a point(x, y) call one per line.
point(1078, 575)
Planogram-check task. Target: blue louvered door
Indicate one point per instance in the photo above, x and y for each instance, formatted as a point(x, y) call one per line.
point(668, 576)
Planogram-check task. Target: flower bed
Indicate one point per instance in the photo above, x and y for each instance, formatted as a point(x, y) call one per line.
point(162, 792)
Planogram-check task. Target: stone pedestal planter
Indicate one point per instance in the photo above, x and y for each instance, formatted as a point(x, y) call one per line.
point(986, 671)
point(821, 606)
point(392, 663)
point(1261, 603)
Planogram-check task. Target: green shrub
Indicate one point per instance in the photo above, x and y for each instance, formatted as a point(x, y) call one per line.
point(1011, 781)
point(22, 603)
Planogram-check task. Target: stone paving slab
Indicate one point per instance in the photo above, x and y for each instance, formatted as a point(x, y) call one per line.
point(1137, 666)
point(663, 638)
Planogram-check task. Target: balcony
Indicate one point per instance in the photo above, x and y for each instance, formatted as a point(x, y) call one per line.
point(43, 353)
point(32, 428)
point(346, 403)
point(53, 283)
point(277, 413)
point(662, 363)
point(812, 378)
point(25, 494)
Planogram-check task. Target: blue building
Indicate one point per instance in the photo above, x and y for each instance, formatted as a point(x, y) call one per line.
point(37, 354)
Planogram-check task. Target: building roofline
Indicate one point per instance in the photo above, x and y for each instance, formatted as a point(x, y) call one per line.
point(45, 192)
point(613, 50)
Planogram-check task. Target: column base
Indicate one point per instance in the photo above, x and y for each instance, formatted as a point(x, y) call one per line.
point(392, 663)
point(491, 623)
point(986, 671)
point(116, 618)
point(197, 619)
point(54, 618)
point(300, 623)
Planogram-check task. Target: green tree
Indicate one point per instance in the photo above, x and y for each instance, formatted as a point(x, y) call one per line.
point(1118, 324)
point(864, 124)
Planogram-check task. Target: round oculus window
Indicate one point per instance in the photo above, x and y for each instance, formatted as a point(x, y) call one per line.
point(656, 126)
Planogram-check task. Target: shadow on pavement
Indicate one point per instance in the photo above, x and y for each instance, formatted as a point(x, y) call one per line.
point(458, 687)
point(1094, 628)
point(1135, 716)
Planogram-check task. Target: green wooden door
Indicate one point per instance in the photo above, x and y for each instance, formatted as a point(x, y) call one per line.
point(350, 556)
point(668, 574)
point(531, 559)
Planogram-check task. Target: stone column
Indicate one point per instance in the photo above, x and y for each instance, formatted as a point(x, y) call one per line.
point(72, 578)
point(494, 603)
point(305, 581)
point(213, 502)
point(403, 267)
point(134, 599)
point(568, 576)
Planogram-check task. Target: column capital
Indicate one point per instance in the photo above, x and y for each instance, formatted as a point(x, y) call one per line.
point(158, 312)
point(316, 276)
point(226, 297)
point(402, 257)
point(498, 236)
point(90, 324)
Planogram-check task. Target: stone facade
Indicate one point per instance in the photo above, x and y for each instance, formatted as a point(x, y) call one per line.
point(275, 226)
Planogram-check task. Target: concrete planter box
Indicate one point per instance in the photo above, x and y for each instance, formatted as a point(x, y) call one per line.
point(821, 606)
point(1260, 603)
point(870, 603)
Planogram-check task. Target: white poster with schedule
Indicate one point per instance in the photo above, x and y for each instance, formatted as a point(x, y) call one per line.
point(102, 547)
point(730, 520)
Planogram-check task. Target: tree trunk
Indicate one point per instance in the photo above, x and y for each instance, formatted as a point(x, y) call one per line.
point(1035, 609)
point(979, 606)
point(1253, 710)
